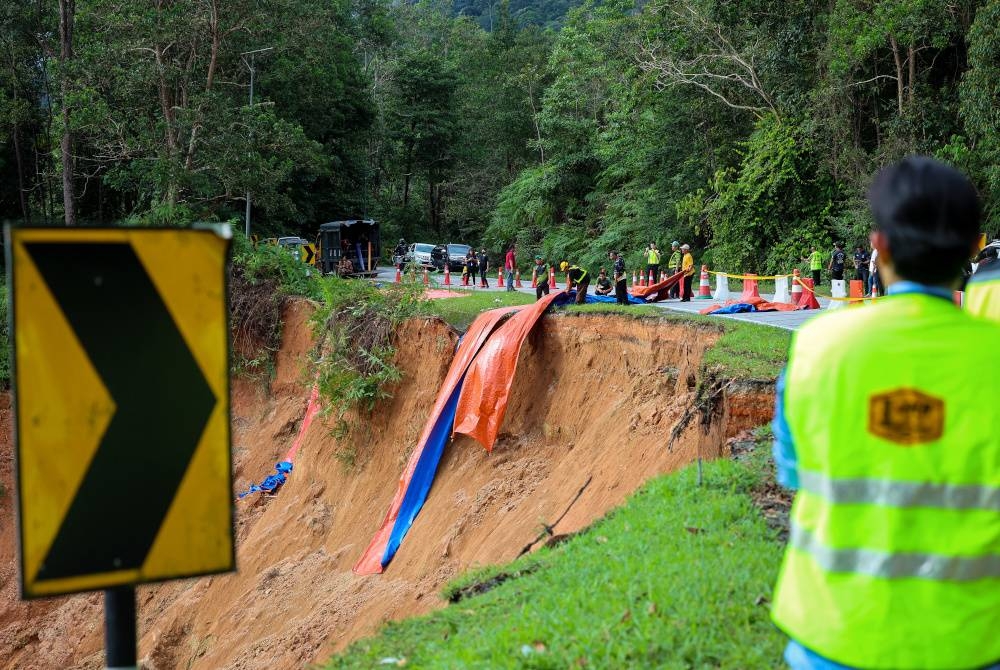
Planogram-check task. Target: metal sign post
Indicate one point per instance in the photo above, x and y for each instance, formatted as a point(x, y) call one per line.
point(120, 640)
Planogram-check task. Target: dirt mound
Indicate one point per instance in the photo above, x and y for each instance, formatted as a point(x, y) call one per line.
point(599, 398)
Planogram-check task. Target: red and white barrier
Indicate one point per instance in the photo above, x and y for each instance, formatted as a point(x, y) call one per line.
point(721, 287)
point(796, 287)
point(750, 288)
point(781, 291)
point(517, 279)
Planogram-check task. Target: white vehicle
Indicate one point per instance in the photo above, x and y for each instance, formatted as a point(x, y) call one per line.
point(420, 254)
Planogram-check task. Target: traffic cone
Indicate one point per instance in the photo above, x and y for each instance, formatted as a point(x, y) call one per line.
point(567, 281)
point(552, 278)
point(517, 279)
point(781, 291)
point(857, 293)
point(796, 287)
point(399, 275)
point(642, 279)
point(807, 299)
point(721, 287)
point(652, 278)
point(663, 275)
point(750, 289)
point(427, 278)
point(534, 277)
point(959, 298)
point(447, 275)
point(499, 277)
point(635, 278)
point(704, 289)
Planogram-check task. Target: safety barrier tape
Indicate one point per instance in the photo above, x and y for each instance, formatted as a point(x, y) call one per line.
point(862, 299)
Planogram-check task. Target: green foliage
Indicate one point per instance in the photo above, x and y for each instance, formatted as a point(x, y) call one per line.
point(676, 558)
point(775, 190)
point(980, 91)
point(354, 324)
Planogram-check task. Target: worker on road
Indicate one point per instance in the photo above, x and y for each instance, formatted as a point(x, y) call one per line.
point(604, 285)
point(838, 260)
point(884, 424)
point(579, 278)
point(542, 277)
point(618, 271)
point(982, 293)
point(483, 261)
point(815, 265)
point(509, 266)
point(687, 267)
point(674, 265)
point(653, 261)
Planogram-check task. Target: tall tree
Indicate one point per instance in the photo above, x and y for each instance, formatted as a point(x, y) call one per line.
point(67, 16)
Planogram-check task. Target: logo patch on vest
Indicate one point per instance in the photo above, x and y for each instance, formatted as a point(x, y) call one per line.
point(906, 416)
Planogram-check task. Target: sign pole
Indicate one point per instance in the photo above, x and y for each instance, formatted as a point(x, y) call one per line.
point(120, 628)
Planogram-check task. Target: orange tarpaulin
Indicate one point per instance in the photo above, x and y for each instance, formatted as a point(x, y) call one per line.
point(483, 402)
point(658, 291)
point(380, 549)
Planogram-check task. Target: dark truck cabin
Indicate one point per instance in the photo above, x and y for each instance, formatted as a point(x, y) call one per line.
point(339, 239)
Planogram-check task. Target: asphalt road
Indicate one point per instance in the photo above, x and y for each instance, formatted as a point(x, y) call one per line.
point(786, 320)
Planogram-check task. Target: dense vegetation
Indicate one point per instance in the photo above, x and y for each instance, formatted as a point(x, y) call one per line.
point(750, 128)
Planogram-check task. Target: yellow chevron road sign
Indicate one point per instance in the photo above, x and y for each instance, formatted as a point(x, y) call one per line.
point(121, 384)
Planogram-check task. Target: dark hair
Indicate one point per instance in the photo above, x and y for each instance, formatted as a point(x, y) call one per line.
point(930, 213)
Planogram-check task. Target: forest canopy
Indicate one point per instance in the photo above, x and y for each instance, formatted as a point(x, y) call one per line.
point(749, 128)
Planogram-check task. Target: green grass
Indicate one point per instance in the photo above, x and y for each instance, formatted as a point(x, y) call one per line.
point(461, 312)
point(679, 577)
point(745, 351)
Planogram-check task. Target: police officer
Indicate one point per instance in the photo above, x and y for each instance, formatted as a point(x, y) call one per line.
point(674, 264)
point(579, 278)
point(882, 424)
point(618, 273)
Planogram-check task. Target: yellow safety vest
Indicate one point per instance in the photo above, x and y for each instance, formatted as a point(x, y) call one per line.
point(982, 293)
point(654, 257)
point(894, 554)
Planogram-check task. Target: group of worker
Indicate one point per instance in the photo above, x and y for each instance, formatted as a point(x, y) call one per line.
point(885, 424)
point(680, 260)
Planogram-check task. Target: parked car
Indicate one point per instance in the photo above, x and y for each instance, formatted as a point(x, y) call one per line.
point(420, 254)
point(454, 253)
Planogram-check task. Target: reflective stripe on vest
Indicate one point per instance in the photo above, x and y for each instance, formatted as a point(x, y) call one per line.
point(888, 493)
point(886, 565)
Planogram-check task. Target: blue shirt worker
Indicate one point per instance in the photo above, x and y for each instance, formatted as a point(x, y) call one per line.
point(885, 425)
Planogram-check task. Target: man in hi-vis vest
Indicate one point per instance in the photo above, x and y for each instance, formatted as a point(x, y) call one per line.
point(886, 424)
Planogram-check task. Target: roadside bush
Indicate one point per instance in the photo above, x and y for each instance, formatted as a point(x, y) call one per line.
point(354, 325)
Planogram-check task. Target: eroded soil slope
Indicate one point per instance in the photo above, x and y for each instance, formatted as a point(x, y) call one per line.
point(596, 397)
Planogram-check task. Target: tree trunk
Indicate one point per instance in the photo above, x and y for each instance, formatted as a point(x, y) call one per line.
point(21, 187)
point(67, 10)
point(900, 79)
point(912, 58)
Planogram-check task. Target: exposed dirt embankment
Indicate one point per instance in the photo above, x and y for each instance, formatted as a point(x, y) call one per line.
point(596, 397)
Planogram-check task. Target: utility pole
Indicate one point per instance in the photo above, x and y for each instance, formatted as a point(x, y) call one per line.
point(253, 71)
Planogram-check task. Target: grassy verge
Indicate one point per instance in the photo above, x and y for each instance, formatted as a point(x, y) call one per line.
point(679, 577)
point(461, 312)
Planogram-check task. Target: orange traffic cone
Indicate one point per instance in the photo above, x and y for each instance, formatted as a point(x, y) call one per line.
point(808, 298)
point(635, 278)
point(704, 290)
point(796, 287)
point(499, 277)
point(427, 278)
point(534, 278)
point(517, 279)
point(652, 278)
point(447, 275)
point(567, 281)
point(399, 275)
point(552, 278)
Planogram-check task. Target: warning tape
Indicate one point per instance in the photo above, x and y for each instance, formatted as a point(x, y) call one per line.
point(820, 295)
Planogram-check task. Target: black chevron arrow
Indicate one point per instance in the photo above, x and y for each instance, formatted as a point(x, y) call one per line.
point(162, 405)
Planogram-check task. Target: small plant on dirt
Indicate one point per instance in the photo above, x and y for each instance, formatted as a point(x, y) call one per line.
point(354, 327)
point(259, 280)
